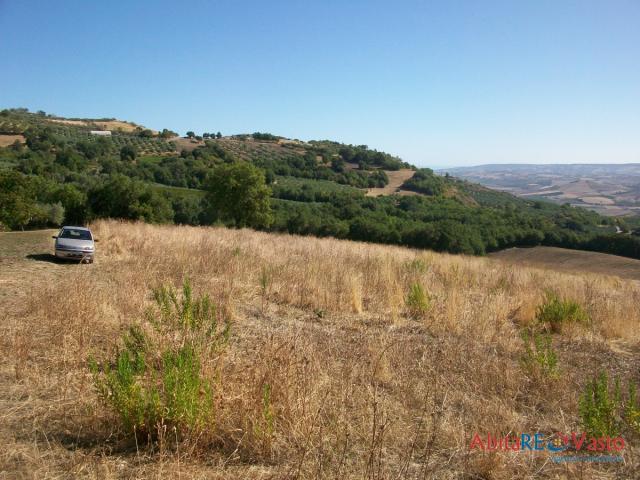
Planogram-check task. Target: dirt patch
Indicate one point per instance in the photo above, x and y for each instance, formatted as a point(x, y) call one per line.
point(396, 179)
point(6, 140)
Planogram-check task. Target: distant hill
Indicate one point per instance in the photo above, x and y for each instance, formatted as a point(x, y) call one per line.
point(609, 189)
point(58, 171)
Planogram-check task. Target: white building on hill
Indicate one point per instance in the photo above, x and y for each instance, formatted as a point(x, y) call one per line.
point(102, 133)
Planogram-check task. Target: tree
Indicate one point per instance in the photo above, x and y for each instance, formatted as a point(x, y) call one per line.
point(218, 135)
point(128, 153)
point(190, 134)
point(121, 197)
point(167, 134)
point(146, 133)
point(17, 200)
point(237, 194)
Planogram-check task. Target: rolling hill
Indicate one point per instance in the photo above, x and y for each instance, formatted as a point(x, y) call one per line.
point(608, 189)
point(64, 173)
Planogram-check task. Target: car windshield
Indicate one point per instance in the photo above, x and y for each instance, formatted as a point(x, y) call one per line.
point(75, 234)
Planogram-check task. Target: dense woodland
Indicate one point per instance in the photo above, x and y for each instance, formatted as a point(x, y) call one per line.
point(62, 174)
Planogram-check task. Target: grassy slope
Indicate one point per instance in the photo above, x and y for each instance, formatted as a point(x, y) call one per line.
point(359, 389)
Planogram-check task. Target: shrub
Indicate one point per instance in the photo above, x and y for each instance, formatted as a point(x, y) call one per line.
point(606, 412)
point(418, 301)
point(632, 410)
point(598, 407)
point(539, 356)
point(417, 266)
point(556, 312)
point(161, 379)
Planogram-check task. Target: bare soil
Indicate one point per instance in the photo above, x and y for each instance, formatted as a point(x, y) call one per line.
point(565, 260)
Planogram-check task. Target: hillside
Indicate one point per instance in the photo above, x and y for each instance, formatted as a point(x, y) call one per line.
point(63, 173)
point(609, 189)
point(333, 363)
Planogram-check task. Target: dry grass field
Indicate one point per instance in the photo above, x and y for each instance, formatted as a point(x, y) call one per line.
point(187, 144)
point(114, 125)
point(7, 140)
point(360, 384)
point(396, 179)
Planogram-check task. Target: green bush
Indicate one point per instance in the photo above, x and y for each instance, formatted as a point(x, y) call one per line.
point(418, 301)
point(539, 356)
point(162, 376)
point(556, 312)
point(607, 412)
point(599, 408)
point(632, 410)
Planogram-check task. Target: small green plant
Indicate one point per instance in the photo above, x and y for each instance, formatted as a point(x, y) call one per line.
point(632, 410)
point(265, 283)
point(539, 354)
point(417, 265)
point(599, 408)
point(556, 312)
point(267, 410)
point(418, 301)
point(158, 378)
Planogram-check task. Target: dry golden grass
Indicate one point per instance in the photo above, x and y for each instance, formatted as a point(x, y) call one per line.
point(115, 125)
point(396, 179)
point(7, 140)
point(359, 388)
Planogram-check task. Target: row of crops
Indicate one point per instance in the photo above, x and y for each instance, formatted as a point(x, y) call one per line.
point(148, 146)
point(253, 151)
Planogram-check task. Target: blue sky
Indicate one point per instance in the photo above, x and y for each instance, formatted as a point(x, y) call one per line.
point(439, 83)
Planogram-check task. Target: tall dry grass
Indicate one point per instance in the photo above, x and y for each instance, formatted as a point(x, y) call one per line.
point(328, 374)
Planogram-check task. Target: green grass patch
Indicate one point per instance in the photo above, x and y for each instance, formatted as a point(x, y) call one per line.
point(557, 312)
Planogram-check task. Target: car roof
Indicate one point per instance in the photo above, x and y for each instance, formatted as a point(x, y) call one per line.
point(75, 228)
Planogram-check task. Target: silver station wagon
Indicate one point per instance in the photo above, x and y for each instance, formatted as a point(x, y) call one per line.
point(75, 243)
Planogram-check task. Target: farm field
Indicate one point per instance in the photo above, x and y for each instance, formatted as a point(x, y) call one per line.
point(607, 189)
point(330, 371)
point(562, 259)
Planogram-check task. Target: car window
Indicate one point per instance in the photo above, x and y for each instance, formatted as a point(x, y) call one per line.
point(75, 234)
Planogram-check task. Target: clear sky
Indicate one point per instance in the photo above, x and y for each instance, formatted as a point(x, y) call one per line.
point(439, 83)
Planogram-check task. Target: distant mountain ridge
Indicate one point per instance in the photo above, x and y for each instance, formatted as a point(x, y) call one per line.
point(609, 189)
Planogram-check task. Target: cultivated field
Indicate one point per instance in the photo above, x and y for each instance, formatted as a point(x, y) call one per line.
point(577, 261)
point(330, 370)
point(609, 189)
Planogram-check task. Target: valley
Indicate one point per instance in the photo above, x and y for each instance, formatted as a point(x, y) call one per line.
point(608, 189)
